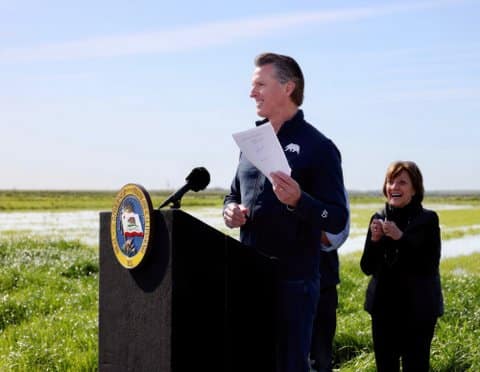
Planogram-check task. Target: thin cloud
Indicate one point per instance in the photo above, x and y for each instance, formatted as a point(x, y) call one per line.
point(439, 94)
point(199, 36)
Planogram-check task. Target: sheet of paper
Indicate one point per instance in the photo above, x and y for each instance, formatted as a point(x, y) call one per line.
point(261, 146)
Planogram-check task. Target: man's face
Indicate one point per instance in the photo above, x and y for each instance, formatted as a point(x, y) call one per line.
point(269, 94)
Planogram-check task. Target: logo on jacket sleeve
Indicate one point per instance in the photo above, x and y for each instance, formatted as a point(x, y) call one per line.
point(293, 147)
point(324, 213)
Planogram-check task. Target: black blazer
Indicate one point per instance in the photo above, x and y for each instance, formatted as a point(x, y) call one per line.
point(405, 273)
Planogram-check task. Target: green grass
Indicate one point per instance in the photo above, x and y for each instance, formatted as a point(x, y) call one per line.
point(460, 217)
point(48, 306)
point(49, 310)
point(17, 200)
point(91, 200)
point(49, 289)
point(456, 341)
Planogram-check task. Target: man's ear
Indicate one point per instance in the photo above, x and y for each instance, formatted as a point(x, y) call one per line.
point(289, 87)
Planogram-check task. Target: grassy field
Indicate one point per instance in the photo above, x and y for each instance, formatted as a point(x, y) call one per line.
point(456, 342)
point(48, 306)
point(100, 200)
point(49, 289)
point(465, 220)
point(49, 309)
point(13, 200)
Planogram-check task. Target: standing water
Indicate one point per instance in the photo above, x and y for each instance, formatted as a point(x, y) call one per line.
point(84, 226)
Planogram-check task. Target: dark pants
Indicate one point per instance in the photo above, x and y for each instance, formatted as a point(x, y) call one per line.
point(324, 329)
point(297, 304)
point(396, 338)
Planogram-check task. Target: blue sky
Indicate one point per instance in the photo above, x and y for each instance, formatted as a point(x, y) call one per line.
point(99, 94)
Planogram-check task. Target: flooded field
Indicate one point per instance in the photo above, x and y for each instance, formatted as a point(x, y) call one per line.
point(79, 225)
point(84, 226)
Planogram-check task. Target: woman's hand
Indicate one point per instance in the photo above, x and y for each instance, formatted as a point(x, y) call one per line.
point(376, 227)
point(391, 230)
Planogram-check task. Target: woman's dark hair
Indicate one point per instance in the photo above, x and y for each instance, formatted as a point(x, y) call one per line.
point(287, 69)
point(414, 173)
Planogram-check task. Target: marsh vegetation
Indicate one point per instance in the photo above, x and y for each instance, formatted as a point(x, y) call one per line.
point(49, 282)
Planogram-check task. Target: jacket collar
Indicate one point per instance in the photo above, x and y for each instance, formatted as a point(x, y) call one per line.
point(296, 118)
point(261, 122)
point(411, 209)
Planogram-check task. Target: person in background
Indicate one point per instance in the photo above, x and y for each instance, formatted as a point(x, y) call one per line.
point(283, 217)
point(402, 254)
point(325, 323)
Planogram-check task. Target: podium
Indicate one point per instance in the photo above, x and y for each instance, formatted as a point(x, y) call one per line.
point(199, 301)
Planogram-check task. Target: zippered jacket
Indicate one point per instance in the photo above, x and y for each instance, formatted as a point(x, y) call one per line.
point(293, 234)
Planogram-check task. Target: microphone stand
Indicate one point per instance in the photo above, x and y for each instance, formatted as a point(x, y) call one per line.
point(176, 198)
point(197, 180)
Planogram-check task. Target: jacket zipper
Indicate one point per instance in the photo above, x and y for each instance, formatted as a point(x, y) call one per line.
point(255, 195)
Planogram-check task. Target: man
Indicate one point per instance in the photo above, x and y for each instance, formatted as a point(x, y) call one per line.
point(325, 323)
point(283, 218)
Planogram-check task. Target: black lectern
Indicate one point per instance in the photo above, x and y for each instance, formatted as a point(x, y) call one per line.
point(199, 301)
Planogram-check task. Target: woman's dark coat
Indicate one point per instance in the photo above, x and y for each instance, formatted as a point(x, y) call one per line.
point(405, 272)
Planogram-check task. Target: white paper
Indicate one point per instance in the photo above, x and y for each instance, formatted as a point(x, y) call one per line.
point(260, 145)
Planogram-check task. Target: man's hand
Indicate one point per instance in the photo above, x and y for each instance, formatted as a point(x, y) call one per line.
point(235, 215)
point(324, 240)
point(286, 188)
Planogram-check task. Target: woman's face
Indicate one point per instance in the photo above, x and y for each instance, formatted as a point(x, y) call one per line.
point(400, 190)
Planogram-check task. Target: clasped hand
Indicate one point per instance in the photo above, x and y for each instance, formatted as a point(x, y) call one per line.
point(235, 215)
point(380, 228)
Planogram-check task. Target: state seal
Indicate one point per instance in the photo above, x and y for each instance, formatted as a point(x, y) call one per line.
point(130, 225)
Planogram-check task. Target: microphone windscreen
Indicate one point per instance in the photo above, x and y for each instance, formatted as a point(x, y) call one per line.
point(198, 179)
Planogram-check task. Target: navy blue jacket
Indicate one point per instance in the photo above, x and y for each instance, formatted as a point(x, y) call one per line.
point(294, 235)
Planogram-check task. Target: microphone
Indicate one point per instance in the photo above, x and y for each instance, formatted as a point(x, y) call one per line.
point(197, 180)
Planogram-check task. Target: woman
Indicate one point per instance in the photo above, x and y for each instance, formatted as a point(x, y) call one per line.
point(402, 253)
